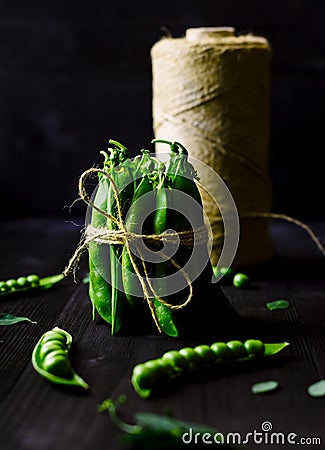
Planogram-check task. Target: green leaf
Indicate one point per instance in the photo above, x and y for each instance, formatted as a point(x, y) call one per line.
point(9, 319)
point(317, 389)
point(278, 304)
point(272, 349)
point(264, 386)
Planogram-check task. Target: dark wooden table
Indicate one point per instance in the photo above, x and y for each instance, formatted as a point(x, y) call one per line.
point(38, 415)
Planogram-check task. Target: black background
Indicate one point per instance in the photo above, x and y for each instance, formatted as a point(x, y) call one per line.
point(74, 74)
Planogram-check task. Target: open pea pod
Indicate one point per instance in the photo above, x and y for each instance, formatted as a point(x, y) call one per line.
point(146, 376)
point(14, 287)
point(50, 359)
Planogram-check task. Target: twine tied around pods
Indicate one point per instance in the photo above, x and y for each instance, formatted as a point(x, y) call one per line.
point(124, 237)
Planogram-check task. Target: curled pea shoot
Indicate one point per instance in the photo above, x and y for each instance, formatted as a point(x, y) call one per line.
point(156, 431)
point(146, 376)
point(50, 359)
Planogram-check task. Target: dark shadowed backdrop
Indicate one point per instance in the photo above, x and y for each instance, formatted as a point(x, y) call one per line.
point(74, 74)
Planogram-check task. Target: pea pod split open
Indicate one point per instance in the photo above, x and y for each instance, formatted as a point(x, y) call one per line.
point(28, 283)
point(174, 363)
point(50, 359)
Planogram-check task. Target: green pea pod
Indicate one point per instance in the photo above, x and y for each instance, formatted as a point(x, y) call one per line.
point(50, 359)
point(164, 314)
point(183, 175)
point(157, 372)
point(99, 289)
point(28, 283)
point(134, 219)
point(123, 177)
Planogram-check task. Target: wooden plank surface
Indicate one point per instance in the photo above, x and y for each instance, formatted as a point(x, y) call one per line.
point(35, 415)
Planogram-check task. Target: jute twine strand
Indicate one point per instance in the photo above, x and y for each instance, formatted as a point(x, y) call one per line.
point(286, 218)
point(124, 237)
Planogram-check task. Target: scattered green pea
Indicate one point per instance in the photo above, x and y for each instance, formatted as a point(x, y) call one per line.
point(241, 280)
point(50, 359)
point(146, 375)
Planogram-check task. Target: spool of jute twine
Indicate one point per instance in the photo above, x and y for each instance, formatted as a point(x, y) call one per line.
point(211, 92)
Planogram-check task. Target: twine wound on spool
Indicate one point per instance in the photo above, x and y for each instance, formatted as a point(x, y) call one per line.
point(211, 92)
point(124, 237)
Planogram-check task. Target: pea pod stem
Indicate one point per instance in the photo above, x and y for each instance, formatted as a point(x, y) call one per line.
point(164, 314)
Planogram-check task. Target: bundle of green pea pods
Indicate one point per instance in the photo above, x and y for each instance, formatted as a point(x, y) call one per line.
point(114, 288)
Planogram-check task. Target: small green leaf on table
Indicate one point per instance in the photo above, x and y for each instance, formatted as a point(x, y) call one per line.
point(264, 386)
point(278, 304)
point(317, 389)
point(9, 319)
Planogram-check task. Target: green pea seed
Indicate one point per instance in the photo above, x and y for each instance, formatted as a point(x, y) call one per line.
point(254, 347)
point(58, 365)
point(221, 351)
point(176, 359)
point(4, 287)
point(156, 368)
point(22, 282)
point(191, 357)
point(33, 279)
point(12, 284)
point(205, 353)
point(143, 375)
point(54, 336)
point(49, 347)
point(241, 280)
point(237, 349)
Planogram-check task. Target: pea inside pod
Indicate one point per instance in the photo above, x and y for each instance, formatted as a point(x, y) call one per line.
point(28, 283)
point(50, 359)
